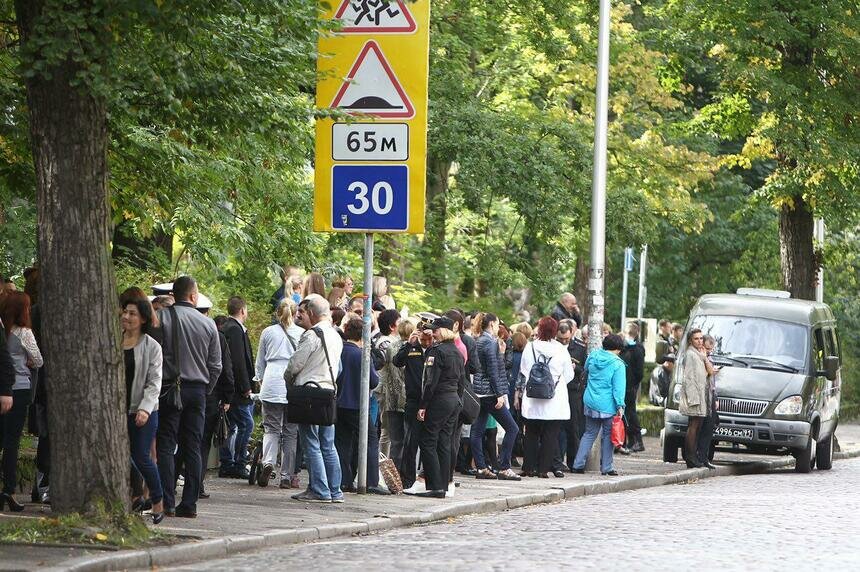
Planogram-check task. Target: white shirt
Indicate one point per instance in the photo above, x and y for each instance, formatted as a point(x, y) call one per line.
point(561, 369)
point(273, 357)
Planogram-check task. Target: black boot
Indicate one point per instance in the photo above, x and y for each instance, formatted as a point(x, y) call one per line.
point(638, 444)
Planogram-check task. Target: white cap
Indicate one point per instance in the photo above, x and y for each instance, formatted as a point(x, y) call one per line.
point(203, 301)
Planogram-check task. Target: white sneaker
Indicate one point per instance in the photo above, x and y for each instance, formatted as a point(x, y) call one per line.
point(418, 487)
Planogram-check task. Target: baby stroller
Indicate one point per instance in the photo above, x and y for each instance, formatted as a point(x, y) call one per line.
point(255, 446)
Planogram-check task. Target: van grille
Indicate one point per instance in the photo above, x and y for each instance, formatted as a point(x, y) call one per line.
point(742, 406)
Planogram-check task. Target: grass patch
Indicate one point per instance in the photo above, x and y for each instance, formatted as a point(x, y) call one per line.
point(102, 528)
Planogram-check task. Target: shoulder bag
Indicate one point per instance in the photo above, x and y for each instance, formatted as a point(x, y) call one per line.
point(311, 404)
point(172, 392)
point(470, 405)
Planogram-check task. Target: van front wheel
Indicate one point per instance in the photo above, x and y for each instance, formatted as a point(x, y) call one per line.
point(805, 458)
point(824, 457)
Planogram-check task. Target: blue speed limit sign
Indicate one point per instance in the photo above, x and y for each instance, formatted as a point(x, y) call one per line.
point(370, 197)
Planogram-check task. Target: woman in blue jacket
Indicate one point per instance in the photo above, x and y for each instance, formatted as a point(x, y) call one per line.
point(491, 387)
point(603, 399)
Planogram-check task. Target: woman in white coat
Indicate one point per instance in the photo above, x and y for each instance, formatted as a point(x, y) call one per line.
point(544, 416)
point(277, 345)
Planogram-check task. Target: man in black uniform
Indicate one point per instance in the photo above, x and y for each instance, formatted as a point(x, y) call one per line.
point(411, 357)
point(439, 407)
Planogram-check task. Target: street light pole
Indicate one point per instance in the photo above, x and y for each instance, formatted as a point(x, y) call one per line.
point(597, 268)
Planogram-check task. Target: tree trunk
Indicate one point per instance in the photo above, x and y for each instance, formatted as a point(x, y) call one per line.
point(89, 440)
point(437, 212)
point(796, 253)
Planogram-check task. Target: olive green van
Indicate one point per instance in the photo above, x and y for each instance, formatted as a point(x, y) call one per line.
point(779, 382)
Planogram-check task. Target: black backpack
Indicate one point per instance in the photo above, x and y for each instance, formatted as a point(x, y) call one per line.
point(540, 384)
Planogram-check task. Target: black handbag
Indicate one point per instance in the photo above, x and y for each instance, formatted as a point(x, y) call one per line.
point(311, 404)
point(221, 429)
point(172, 393)
point(471, 405)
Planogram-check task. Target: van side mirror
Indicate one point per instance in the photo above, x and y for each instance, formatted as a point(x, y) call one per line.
point(831, 365)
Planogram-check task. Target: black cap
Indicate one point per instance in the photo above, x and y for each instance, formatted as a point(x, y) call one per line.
point(442, 322)
point(667, 358)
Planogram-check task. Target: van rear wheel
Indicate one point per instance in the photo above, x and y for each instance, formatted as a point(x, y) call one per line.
point(805, 458)
point(824, 456)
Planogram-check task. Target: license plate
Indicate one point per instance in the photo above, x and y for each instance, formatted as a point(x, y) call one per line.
point(723, 431)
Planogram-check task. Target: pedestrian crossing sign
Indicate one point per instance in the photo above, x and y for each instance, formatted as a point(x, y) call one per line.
point(375, 17)
point(370, 164)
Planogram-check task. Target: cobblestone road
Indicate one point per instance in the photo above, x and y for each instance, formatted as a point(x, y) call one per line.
point(777, 521)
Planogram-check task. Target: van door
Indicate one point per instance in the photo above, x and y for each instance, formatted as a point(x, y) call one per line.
point(819, 394)
point(833, 392)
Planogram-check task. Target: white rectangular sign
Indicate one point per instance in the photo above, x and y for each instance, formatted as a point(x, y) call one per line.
point(370, 142)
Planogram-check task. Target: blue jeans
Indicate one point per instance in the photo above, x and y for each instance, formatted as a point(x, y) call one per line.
point(476, 436)
point(322, 461)
point(593, 425)
point(234, 452)
point(141, 439)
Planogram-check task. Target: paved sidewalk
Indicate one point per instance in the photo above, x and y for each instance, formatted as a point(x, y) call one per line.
point(253, 517)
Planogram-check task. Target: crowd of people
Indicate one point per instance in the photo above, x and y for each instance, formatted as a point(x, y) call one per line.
point(441, 385)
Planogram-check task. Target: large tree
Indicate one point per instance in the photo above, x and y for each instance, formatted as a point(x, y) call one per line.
point(789, 86)
point(201, 112)
point(63, 45)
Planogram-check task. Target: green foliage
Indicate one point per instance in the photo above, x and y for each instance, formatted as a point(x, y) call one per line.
point(719, 110)
point(103, 527)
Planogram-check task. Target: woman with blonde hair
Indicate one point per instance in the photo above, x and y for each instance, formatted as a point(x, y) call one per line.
point(523, 328)
point(337, 297)
point(277, 345)
point(314, 284)
point(344, 282)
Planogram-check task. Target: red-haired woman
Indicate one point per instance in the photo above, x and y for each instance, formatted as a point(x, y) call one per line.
point(544, 416)
point(21, 343)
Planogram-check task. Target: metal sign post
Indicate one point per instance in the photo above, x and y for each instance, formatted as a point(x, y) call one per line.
point(643, 269)
point(628, 266)
point(371, 160)
point(364, 400)
point(598, 202)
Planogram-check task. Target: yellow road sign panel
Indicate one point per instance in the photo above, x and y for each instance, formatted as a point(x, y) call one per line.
point(370, 165)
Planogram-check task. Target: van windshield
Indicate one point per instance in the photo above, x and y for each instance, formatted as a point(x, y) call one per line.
point(756, 342)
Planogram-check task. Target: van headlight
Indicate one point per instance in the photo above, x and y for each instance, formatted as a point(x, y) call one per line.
point(676, 393)
point(790, 406)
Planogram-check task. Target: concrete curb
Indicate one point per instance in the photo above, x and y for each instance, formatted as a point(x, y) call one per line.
point(222, 547)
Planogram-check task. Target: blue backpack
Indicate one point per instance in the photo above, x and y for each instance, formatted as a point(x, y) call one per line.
point(540, 384)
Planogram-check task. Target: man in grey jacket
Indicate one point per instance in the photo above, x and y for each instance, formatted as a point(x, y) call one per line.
point(317, 363)
point(192, 359)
